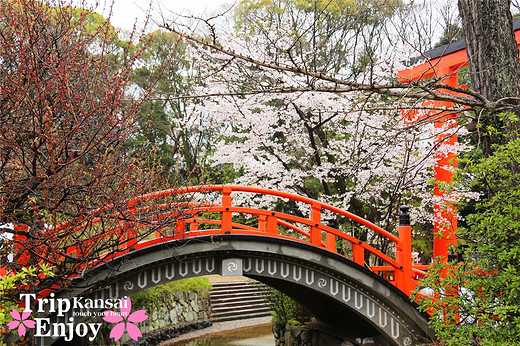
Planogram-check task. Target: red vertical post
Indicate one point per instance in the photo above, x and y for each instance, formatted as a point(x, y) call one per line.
point(445, 220)
point(272, 224)
point(404, 276)
point(316, 220)
point(180, 229)
point(132, 238)
point(131, 206)
point(262, 223)
point(194, 225)
point(358, 253)
point(123, 236)
point(131, 231)
point(129, 234)
point(227, 216)
point(331, 242)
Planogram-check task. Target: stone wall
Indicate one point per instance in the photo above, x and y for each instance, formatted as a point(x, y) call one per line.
point(309, 335)
point(177, 308)
point(167, 313)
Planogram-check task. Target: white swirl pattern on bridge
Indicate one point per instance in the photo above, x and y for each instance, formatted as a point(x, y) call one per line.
point(354, 288)
point(351, 295)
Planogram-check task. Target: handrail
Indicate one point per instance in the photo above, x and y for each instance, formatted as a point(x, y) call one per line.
point(264, 191)
point(269, 223)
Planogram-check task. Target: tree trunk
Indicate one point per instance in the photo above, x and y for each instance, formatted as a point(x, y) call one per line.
point(493, 61)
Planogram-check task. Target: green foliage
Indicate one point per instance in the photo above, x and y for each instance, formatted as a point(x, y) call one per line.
point(166, 124)
point(464, 77)
point(489, 279)
point(452, 33)
point(332, 22)
point(9, 283)
point(221, 174)
point(153, 295)
point(328, 8)
point(284, 309)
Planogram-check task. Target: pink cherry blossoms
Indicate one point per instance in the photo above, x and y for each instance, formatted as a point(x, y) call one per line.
point(125, 320)
point(21, 322)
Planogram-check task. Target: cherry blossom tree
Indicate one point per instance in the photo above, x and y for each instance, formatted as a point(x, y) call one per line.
point(305, 114)
point(309, 98)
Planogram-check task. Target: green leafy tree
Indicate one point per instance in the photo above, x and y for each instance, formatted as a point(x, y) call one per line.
point(329, 35)
point(167, 123)
point(452, 32)
point(484, 289)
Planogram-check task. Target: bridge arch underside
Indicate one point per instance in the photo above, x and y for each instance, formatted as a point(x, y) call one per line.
point(337, 291)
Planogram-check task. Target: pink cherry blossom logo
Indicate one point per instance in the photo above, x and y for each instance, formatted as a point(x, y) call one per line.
point(21, 322)
point(125, 321)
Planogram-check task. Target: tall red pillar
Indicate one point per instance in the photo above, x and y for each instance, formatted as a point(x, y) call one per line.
point(445, 218)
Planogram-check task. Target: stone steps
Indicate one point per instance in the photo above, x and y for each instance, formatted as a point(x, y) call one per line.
point(237, 300)
point(237, 294)
point(234, 302)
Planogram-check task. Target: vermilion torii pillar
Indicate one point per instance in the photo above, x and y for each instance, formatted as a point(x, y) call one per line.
point(443, 63)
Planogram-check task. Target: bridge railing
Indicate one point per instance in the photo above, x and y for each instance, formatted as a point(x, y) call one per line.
point(399, 269)
point(223, 217)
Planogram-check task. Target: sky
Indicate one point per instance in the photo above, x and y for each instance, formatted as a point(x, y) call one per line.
point(125, 12)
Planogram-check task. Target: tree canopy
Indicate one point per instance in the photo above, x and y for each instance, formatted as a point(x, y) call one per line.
point(300, 96)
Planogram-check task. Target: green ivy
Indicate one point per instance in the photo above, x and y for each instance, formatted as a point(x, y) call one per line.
point(483, 290)
point(285, 310)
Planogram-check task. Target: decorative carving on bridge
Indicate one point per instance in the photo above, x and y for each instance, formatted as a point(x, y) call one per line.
point(343, 291)
point(356, 298)
point(350, 286)
point(232, 267)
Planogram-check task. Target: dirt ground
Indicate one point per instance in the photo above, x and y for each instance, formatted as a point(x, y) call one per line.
point(220, 278)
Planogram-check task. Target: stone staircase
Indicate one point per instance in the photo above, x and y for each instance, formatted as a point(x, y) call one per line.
point(238, 300)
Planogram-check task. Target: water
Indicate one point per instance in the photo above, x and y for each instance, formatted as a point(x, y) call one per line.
point(260, 335)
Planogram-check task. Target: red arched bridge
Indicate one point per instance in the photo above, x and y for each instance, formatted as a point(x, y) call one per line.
point(358, 289)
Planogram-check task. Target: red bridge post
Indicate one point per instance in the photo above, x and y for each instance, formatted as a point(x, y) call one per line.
point(227, 215)
point(404, 276)
point(316, 220)
point(21, 254)
point(272, 224)
point(445, 220)
point(331, 242)
point(358, 253)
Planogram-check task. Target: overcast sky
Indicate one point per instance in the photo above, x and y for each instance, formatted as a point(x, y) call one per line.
point(125, 12)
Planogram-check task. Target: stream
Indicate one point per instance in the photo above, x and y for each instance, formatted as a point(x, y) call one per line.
point(259, 335)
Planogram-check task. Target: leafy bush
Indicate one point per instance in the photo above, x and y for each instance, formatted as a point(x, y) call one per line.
point(8, 284)
point(153, 295)
point(284, 309)
point(478, 301)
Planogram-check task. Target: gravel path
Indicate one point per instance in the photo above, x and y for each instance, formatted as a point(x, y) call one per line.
point(218, 327)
